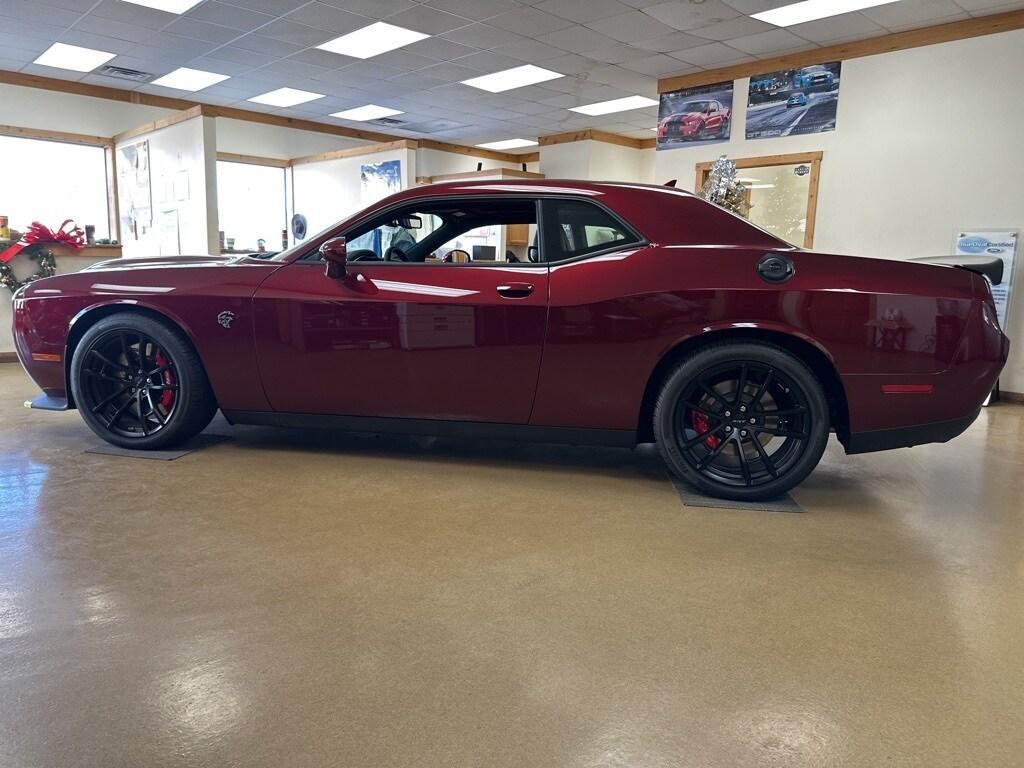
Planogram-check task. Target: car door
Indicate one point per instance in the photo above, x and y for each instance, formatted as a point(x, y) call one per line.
point(426, 340)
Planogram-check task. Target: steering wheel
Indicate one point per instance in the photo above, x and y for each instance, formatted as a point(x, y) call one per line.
point(394, 253)
point(363, 254)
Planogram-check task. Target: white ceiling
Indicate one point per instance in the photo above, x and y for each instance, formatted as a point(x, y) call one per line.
point(607, 48)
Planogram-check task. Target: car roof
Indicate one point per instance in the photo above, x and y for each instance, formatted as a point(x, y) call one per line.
point(534, 186)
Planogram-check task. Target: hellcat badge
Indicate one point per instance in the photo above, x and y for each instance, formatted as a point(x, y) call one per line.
point(225, 318)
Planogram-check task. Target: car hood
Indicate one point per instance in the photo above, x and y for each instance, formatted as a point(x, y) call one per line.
point(161, 262)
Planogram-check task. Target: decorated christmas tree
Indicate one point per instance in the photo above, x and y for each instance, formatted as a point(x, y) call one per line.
point(724, 189)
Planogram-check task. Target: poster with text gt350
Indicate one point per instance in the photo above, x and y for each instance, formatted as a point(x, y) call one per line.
point(793, 101)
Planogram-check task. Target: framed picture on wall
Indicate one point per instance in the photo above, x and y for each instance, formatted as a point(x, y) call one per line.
point(378, 180)
point(701, 115)
point(792, 102)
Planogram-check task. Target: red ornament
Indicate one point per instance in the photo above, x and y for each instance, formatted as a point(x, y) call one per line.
point(67, 234)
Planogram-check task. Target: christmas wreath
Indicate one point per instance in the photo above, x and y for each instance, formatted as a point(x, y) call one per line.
point(32, 244)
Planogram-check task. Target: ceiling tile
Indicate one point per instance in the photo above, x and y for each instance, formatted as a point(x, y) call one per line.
point(482, 36)
point(373, 9)
point(657, 65)
point(474, 9)
point(268, 46)
point(291, 68)
point(430, 21)
point(440, 49)
point(299, 34)
point(323, 16)
point(132, 14)
point(685, 16)
point(273, 7)
point(530, 22)
point(712, 55)
point(764, 43)
point(988, 5)
point(201, 30)
point(34, 12)
point(111, 28)
point(911, 13)
point(583, 11)
point(489, 61)
point(99, 42)
point(228, 16)
point(238, 56)
point(629, 27)
point(844, 27)
point(741, 26)
point(404, 60)
point(634, 82)
point(618, 54)
point(576, 39)
point(673, 41)
point(532, 51)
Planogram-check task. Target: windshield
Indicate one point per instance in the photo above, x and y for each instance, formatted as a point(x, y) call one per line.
point(695, 106)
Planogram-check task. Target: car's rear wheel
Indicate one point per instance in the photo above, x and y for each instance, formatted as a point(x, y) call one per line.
point(743, 421)
point(138, 383)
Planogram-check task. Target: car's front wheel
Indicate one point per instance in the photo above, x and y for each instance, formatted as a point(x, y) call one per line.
point(743, 421)
point(138, 383)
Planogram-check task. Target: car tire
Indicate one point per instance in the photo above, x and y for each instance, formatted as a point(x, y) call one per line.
point(700, 133)
point(124, 406)
point(714, 431)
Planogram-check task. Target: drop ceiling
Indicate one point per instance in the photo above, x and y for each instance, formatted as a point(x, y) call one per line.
point(608, 49)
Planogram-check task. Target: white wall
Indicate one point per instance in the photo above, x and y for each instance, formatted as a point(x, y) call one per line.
point(596, 161)
point(927, 142)
point(244, 138)
point(330, 190)
point(50, 110)
point(180, 151)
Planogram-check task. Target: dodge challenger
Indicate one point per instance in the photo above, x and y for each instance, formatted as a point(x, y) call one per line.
point(561, 311)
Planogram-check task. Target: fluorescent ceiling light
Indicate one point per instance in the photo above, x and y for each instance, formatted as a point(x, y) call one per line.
point(615, 105)
point(64, 56)
point(516, 77)
point(368, 112)
point(809, 10)
point(508, 144)
point(185, 79)
point(171, 6)
point(286, 97)
point(372, 40)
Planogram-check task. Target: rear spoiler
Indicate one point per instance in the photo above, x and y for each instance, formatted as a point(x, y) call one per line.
point(989, 266)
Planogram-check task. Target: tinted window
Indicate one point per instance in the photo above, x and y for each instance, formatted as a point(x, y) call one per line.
point(576, 228)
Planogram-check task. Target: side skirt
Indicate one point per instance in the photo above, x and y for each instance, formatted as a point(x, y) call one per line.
point(904, 437)
point(439, 428)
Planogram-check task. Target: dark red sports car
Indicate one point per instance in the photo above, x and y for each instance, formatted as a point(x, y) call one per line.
point(556, 310)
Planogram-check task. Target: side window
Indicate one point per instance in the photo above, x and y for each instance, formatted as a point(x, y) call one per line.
point(451, 231)
point(577, 227)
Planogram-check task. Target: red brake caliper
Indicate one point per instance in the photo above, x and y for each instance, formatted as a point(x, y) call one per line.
point(702, 425)
point(167, 396)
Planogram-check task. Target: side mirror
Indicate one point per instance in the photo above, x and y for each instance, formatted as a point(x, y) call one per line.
point(335, 253)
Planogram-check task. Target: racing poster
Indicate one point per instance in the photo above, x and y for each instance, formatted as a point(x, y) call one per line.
point(695, 116)
point(792, 102)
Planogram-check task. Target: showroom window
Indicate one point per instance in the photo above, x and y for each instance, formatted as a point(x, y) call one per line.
point(576, 228)
point(251, 206)
point(50, 181)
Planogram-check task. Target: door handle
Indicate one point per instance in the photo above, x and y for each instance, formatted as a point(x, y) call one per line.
point(515, 290)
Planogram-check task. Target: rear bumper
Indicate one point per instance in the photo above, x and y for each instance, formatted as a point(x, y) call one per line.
point(904, 437)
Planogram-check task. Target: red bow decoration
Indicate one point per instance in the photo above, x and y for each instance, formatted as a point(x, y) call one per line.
point(66, 234)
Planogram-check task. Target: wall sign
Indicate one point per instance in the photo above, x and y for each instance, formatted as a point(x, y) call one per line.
point(1001, 243)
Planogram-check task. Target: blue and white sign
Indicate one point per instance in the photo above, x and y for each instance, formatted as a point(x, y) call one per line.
point(1001, 243)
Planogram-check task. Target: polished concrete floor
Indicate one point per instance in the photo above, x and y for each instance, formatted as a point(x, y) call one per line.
point(280, 600)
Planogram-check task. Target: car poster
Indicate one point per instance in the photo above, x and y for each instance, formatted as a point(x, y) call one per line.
point(1001, 243)
point(792, 102)
point(695, 116)
point(378, 180)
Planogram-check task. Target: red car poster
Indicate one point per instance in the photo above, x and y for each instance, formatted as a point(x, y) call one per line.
point(701, 115)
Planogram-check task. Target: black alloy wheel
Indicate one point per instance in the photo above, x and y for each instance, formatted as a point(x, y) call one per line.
point(138, 383)
point(742, 421)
